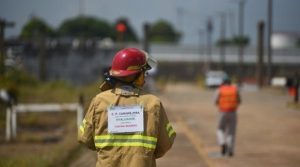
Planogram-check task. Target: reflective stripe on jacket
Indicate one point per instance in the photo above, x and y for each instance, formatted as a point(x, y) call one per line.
point(137, 140)
point(228, 98)
point(127, 149)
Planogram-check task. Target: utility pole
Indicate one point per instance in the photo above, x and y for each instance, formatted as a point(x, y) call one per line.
point(269, 47)
point(231, 18)
point(222, 39)
point(201, 43)
point(3, 25)
point(81, 7)
point(180, 13)
point(202, 50)
point(209, 29)
point(241, 35)
point(146, 41)
point(42, 56)
point(260, 53)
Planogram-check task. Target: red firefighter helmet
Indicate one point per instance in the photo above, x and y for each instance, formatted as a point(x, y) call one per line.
point(130, 61)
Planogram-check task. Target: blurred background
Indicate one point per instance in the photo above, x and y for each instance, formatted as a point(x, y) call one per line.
point(56, 52)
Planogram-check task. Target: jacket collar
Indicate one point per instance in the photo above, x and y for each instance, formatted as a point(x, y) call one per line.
point(126, 90)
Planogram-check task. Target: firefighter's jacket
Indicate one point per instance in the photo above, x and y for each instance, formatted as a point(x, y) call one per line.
point(134, 149)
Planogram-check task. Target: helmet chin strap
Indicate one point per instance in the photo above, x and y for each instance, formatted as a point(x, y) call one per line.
point(139, 81)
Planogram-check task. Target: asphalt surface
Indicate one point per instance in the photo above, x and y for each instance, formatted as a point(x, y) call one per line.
point(267, 132)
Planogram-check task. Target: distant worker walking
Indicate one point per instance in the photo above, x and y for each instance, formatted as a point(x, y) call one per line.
point(125, 125)
point(227, 99)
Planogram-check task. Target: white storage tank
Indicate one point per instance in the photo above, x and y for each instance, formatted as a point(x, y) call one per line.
point(281, 40)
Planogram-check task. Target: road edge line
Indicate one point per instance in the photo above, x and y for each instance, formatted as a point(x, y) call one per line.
point(196, 141)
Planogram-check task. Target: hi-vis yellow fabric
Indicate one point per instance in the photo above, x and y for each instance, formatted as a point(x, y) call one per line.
point(170, 130)
point(138, 149)
point(125, 140)
point(82, 126)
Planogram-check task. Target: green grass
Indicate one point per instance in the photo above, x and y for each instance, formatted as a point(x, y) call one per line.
point(38, 154)
point(25, 161)
point(48, 92)
point(30, 149)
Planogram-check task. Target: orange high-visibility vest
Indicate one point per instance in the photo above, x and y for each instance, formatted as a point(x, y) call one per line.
point(292, 91)
point(228, 98)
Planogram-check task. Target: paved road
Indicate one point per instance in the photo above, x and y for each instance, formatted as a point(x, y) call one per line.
point(267, 134)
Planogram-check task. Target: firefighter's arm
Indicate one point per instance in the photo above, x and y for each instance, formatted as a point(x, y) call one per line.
point(166, 135)
point(86, 129)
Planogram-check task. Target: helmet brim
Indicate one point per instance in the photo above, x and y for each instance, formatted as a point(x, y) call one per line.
point(122, 73)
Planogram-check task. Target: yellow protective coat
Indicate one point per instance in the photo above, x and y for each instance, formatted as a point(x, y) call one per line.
point(131, 149)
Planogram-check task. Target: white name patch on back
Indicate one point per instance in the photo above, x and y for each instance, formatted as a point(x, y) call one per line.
point(125, 119)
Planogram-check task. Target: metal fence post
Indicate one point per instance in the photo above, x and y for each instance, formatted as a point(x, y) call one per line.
point(14, 122)
point(8, 124)
point(79, 114)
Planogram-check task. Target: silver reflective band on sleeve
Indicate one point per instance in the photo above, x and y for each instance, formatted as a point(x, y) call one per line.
point(170, 130)
point(125, 141)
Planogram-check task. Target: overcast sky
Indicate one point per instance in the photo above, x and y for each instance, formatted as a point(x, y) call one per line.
point(192, 18)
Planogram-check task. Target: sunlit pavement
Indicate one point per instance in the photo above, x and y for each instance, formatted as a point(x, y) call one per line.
point(267, 132)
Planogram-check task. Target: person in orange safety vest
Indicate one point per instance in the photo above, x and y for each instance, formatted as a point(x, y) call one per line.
point(227, 98)
point(125, 125)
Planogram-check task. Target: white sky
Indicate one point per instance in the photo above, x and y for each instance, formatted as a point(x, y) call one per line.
point(195, 14)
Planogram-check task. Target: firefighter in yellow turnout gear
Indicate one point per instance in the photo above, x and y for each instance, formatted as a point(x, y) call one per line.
point(125, 125)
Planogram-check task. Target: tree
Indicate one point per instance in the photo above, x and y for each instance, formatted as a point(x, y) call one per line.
point(124, 31)
point(84, 26)
point(240, 40)
point(234, 41)
point(36, 27)
point(162, 31)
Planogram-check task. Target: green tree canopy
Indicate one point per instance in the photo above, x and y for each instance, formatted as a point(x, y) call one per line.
point(84, 26)
point(162, 31)
point(36, 27)
point(241, 40)
point(234, 41)
point(129, 34)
